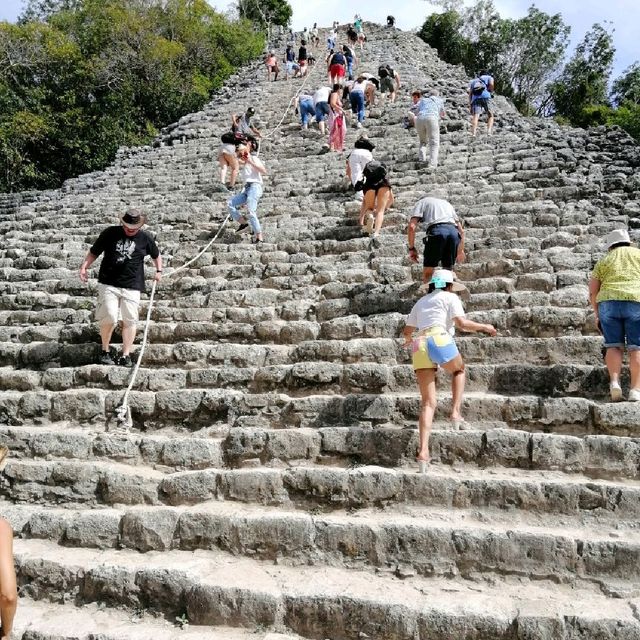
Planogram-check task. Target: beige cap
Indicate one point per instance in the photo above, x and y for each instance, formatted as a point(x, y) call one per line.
point(616, 237)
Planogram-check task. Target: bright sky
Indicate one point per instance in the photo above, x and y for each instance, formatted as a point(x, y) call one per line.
point(580, 14)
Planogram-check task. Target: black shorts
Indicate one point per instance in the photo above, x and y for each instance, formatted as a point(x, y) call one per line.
point(441, 245)
point(376, 187)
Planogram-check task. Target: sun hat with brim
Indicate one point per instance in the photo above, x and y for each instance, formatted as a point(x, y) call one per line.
point(133, 219)
point(442, 277)
point(617, 236)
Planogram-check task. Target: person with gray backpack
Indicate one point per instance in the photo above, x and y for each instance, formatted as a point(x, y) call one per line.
point(481, 90)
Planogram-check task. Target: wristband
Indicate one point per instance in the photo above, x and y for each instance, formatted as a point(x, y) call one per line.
point(158, 270)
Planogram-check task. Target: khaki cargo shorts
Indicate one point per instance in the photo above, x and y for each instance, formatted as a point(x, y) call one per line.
point(116, 303)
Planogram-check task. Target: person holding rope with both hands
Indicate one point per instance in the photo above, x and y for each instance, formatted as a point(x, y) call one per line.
point(121, 279)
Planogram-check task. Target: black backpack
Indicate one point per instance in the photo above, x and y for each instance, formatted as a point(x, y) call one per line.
point(374, 172)
point(383, 72)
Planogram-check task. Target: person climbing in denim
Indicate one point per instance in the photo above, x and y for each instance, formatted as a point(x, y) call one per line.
point(252, 172)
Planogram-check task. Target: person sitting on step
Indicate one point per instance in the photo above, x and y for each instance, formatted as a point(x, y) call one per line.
point(444, 242)
point(433, 317)
point(252, 171)
point(614, 295)
point(121, 279)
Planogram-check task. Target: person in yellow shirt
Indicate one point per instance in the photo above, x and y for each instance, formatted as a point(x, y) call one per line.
point(614, 294)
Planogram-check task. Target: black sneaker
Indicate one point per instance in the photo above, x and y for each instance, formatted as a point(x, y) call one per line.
point(242, 227)
point(105, 358)
point(125, 361)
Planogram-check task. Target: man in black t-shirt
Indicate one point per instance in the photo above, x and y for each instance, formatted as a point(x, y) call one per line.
point(121, 279)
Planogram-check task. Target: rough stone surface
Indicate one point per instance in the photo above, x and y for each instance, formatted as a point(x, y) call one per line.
point(268, 487)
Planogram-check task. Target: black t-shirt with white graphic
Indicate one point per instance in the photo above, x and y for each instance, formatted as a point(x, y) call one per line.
point(122, 264)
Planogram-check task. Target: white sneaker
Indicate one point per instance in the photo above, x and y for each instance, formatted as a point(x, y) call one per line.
point(616, 392)
point(359, 125)
point(369, 221)
point(634, 395)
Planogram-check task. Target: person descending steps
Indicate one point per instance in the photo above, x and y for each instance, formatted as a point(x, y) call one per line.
point(271, 62)
point(252, 171)
point(121, 280)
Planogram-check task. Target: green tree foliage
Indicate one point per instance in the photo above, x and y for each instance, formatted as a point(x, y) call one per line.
point(443, 31)
point(585, 78)
point(533, 50)
point(523, 55)
point(79, 78)
point(265, 12)
point(626, 89)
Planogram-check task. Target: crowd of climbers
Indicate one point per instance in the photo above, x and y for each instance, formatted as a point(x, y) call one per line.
point(614, 286)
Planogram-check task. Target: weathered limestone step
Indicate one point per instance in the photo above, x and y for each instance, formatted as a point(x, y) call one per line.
point(486, 445)
point(39, 620)
point(443, 542)
point(350, 345)
point(579, 381)
point(306, 486)
point(213, 588)
point(196, 408)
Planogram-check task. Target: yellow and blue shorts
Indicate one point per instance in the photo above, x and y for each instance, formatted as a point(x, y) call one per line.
point(434, 347)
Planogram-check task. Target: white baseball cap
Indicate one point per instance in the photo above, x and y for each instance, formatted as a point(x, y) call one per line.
point(442, 277)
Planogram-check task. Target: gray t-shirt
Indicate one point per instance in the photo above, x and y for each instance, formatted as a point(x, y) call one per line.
point(434, 211)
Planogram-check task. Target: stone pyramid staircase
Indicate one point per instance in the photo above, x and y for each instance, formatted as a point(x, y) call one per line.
point(268, 487)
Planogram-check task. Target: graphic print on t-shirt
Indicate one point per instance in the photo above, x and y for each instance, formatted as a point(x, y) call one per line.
point(124, 250)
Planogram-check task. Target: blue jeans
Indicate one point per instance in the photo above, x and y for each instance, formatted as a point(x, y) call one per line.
point(357, 104)
point(620, 319)
point(249, 195)
point(322, 111)
point(307, 110)
point(350, 68)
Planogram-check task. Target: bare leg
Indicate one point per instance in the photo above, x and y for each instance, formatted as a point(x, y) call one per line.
point(634, 368)
point(490, 124)
point(106, 331)
point(382, 200)
point(8, 589)
point(427, 384)
point(474, 123)
point(368, 203)
point(456, 368)
point(235, 167)
point(321, 126)
point(613, 360)
point(128, 336)
point(427, 273)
